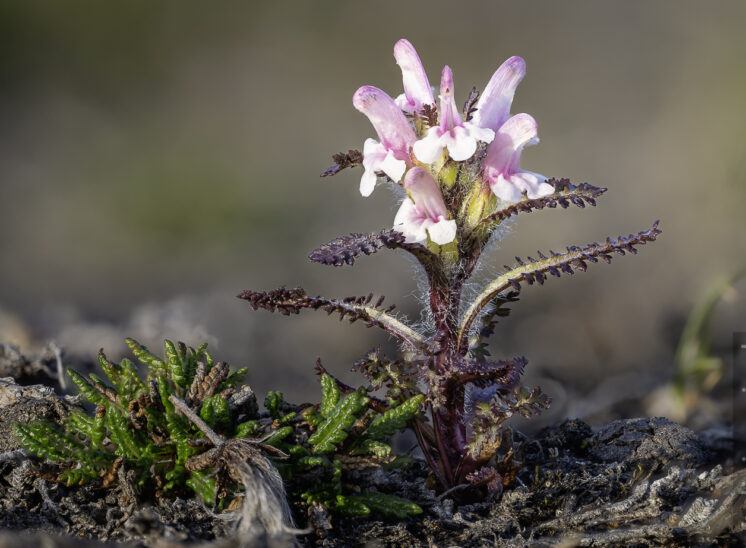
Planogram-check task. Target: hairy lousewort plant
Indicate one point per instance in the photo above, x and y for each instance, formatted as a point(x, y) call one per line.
point(460, 171)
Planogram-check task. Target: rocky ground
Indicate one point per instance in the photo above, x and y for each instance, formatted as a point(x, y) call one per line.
point(635, 482)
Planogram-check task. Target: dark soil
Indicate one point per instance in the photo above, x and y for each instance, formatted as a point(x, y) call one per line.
point(637, 482)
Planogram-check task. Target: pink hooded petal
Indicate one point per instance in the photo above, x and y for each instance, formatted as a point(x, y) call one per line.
point(493, 107)
point(425, 193)
point(392, 126)
point(449, 114)
point(417, 91)
point(504, 153)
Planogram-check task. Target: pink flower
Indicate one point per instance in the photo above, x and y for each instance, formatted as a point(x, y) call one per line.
point(507, 181)
point(459, 137)
point(391, 154)
point(493, 107)
point(417, 90)
point(423, 212)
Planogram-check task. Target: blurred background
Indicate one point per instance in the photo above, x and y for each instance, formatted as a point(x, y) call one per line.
point(158, 158)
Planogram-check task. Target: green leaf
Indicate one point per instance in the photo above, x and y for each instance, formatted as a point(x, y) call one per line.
point(85, 388)
point(203, 485)
point(329, 394)
point(235, 379)
point(145, 356)
point(174, 477)
point(400, 461)
point(279, 435)
point(351, 506)
point(273, 402)
point(246, 429)
point(80, 422)
point(389, 505)
point(313, 416)
point(122, 434)
point(175, 363)
point(377, 448)
point(333, 430)
point(299, 451)
point(310, 462)
point(216, 412)
point(164, 389)
point(112, 371)
point(47, 441)
point(133, 382)
point(394, 419)
point(77, 476)
point(337, 476)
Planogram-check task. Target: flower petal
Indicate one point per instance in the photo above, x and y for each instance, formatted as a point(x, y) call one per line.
point(425, 193)
point(493, 107)
point(460, 143)
point(504, 153)
point(373, 154)
point(392, 167)
point(504, 189)
point(388, 120)
point(429, 148)
point(511, 187)
point(417, 90)
point(533, 184)
point(410, 223)
point(443, 232)
point(483, 134)
point(368, 182)
point(449, 113)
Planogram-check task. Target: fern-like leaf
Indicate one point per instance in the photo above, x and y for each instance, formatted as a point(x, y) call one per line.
point(498, 309)
point(394, 419)
point(86, 388)
point(377, 448)
point(535, 270)
point(397, 377)
point(145, 356)
point(345, 249)
point(489, 417)
point(216, 413)
point(292, 301)
point(470, 104)
point(389, 505)
point(333, 430)
point(343, 160)
point(565, 194)
point(329, 395)
point(203, 484)
point(429, 116)
point(278, 436)
point(273, 402)
point(353, 507)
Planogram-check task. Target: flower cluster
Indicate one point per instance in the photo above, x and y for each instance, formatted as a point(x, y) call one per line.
point(419, 142)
